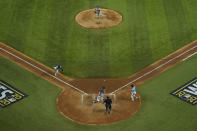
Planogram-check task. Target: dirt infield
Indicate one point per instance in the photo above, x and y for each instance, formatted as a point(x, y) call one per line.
point(71, 106)
point(86, 112)
point(88, 19)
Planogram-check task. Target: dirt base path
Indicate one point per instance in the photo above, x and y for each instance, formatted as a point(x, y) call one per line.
point(84, 111)
point(88, 19)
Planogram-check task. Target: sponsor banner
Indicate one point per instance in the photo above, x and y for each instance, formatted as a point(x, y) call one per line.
point(9, 94)
point(187, 92)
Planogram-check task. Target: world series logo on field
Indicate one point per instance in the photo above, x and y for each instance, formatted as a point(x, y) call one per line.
point(187, 92)
point(9, 94)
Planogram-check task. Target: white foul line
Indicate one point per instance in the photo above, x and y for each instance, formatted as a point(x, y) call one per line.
point(189, 56)
point(43, 71)
point(147, 73)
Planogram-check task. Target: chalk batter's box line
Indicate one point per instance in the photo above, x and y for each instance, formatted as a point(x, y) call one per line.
point(183, 86)
point(12, 88)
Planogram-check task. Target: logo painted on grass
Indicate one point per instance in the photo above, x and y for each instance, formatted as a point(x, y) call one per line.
point(9, 94)
point(187, 92)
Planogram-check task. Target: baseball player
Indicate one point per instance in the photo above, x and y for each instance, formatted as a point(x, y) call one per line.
point(99, 13)
point(100, 95)
point(57, 68)
point(133, 93)
point(108, 103)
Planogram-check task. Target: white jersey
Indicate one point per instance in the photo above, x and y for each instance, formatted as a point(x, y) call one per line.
point(133, 90)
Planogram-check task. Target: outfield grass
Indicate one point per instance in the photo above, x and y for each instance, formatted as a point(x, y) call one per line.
point(46, 31)
point(160, 110)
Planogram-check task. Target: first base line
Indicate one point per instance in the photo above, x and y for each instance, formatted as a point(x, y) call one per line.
point(147, 73)
point(60, 80)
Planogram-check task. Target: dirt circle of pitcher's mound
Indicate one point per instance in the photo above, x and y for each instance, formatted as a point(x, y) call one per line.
point(88, 19)
point(71, 104)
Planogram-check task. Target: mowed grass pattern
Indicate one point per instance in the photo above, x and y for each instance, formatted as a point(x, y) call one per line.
point(46, 31)
point(141, 53)
point(160, 111)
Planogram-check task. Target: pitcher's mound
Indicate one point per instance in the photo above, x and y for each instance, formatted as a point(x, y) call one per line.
point(88, 19)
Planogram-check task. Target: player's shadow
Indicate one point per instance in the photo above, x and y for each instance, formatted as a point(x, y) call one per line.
point(99, 110)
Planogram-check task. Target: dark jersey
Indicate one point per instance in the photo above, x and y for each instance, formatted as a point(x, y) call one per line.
point(107, 102)
point(59, 67)
point(101, 92)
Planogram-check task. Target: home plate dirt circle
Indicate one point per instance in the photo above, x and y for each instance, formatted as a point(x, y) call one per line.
point(71, 106)
point(88, 19)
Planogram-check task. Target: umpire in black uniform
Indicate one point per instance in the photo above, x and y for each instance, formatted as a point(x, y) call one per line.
point(108, 103)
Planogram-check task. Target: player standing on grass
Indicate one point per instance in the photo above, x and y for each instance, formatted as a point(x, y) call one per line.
point(133, 93)
point(108, 103)
point(57, 68)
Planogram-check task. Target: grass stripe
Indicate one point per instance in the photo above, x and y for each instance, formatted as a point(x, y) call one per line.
point(59, 27)
point(76, 55)
point(177, 23)
point(38, 31)
point(119, 42)
point(46, 30)
point(141, 53)
point(6, 7)
point(189, 7)
point(98, 45)
point(19, 23)
point(158, 29)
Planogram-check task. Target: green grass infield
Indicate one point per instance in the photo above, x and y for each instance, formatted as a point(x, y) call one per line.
point(46, 31)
